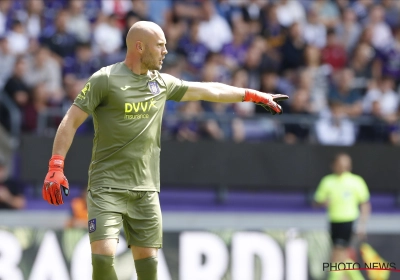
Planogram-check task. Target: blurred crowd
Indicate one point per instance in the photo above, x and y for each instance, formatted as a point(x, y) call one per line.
point(339, 61)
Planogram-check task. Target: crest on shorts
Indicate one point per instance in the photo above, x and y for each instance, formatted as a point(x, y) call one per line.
point(92, 225)
point(154, 87)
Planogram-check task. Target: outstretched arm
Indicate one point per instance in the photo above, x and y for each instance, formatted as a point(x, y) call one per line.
point(213, 92)
point(218, 92)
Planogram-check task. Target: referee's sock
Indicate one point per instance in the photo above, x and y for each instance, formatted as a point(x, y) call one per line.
point(103, 267)
point(146, 269)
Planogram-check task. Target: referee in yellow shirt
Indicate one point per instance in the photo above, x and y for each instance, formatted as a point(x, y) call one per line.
point(346, 197)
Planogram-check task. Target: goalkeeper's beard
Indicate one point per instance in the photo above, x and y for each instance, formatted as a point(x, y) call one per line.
point(149, 62)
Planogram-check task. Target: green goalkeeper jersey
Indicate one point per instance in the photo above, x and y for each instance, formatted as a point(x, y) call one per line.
point(127, 112)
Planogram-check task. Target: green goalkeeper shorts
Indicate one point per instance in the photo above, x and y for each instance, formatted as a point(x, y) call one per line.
point(138, 212)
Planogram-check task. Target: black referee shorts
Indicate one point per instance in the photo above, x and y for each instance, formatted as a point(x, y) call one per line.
point(341, 233)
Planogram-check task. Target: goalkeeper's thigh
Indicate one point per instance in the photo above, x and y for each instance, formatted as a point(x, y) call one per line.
point(146, 269)
point(103, 267)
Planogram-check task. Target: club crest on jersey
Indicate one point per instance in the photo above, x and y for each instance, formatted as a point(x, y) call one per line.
point(92, 225)
point(154, 87)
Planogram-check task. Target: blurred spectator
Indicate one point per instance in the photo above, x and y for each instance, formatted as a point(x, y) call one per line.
point(334, 53)
point(38, 104)
point(194, 51)
point(342, 91)
point(159, 11)
point(300, 105)
point(381, 33)
point(188, 128)
point(16, 86)
point(107, 37)
point(78, 23)
point(84, 63)
point(140, 8)
point(292, 50)
point(256, 61)
point(232, 12)
point(290, 12)
point(187, 10)
point(31, 17)
point(366, 36)
point(327, 11)
point(378, 128)
point(235, 51)
point(92, 8)
point(11, 192)
point(17, 38)
point(387, 100)
point(52, 7)
point(58, 39)
point(361, 63)
point(343, 4)
point(252, 11)
point(392, 10)
point(72, 88)
point(117, 8)
point(43, 68)
point(271, 29)
point(314, 79)
point(361, 8)
point(251, 14)
point(348, 30)
point(314, 31)
point(333, 127)
point(216, 127)
point(175, 29)
point(214, 69)
point(213, 26)
point(270, 57)
point(387, 61)
point(78, 211)
point(7, 61)
point(5, 6)
point(17, 90)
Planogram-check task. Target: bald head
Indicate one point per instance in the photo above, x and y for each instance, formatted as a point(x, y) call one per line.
point(146, 47)
point(143, 31)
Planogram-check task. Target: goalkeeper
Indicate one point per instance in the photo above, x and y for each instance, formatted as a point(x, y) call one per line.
point(127, 101)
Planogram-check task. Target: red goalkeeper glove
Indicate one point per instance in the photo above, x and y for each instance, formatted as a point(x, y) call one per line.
point(54, 181)
point(267, 100)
